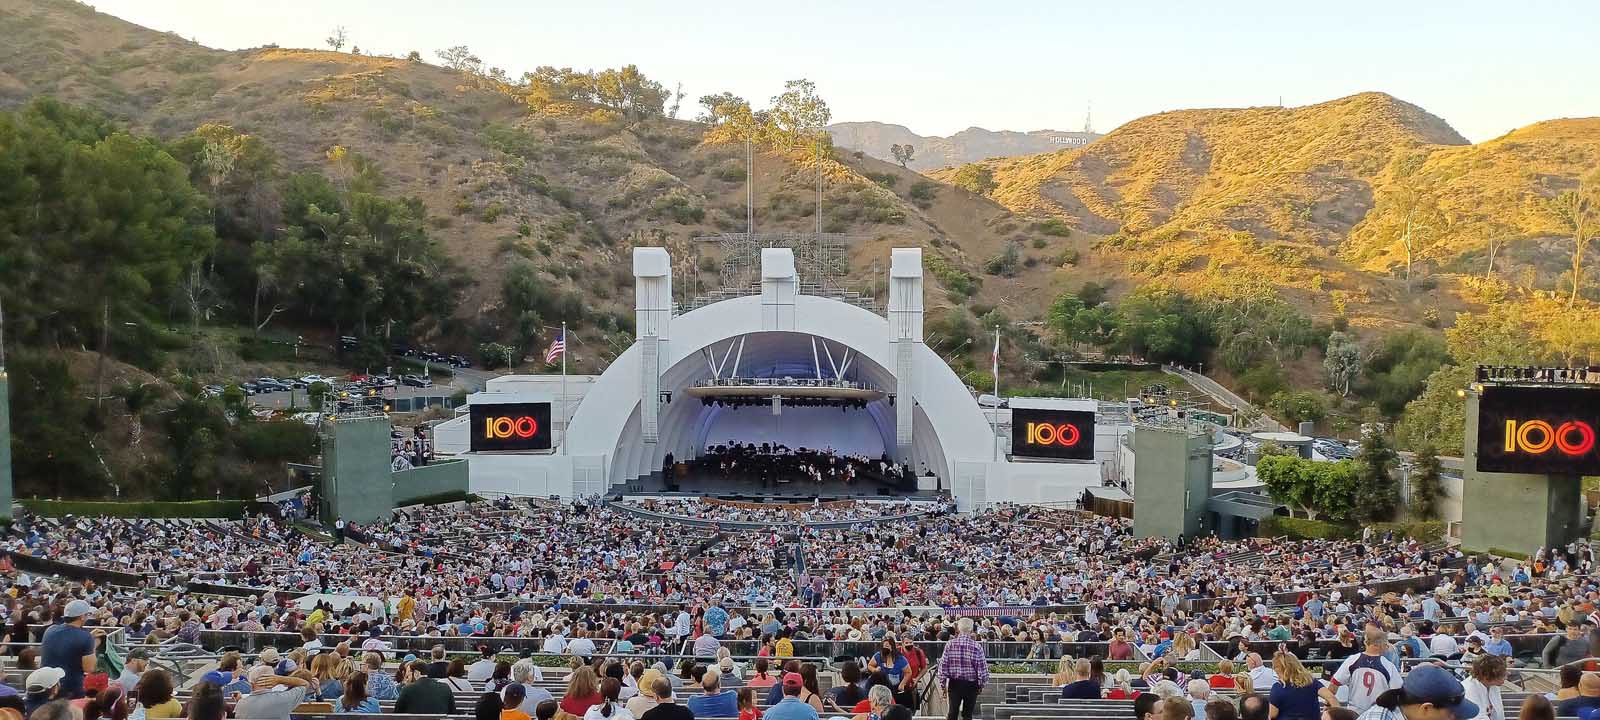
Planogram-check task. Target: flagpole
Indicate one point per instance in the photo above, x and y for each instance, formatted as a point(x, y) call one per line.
point(994, 413)
point(566, 419)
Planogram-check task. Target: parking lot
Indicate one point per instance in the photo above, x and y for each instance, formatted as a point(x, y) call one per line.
point(467, 379)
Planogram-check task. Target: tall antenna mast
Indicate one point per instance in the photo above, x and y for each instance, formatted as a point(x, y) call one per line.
point(1088, 113)
point(749, 188)
point(2, 337)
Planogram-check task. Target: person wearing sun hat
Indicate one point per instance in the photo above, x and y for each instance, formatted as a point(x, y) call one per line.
point(43, 685)
point(1429, 692)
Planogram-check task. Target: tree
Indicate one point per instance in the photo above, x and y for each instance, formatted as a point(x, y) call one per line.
point(628, 91)
point(1161, 324)
point(902, 153)
point(1426, 483)
point(1316, 488)
point(1575, 211)
point(1342, 361)
point(547, 84)
point(1092, 293)
point(677, 102)
point(1299, 406)
point(316, 393)
point(719, 106)
point(1438, 416)
point(1409, 209)
point(1062, 315)
point(798, 115)
point(975, 178)
point(414, 57)
point(1336, 489)
point(1377, 494)
point(1397, 371)
point(460, 58)
point(337, 38)
point(493, 352)
point(97, 227)
point(1288, 483)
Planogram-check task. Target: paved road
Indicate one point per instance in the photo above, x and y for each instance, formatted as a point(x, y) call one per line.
point(1224, 396)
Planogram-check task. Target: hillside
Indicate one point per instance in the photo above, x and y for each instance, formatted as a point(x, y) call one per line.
point(1296, 197)
point(969, 145)
point(568, 187)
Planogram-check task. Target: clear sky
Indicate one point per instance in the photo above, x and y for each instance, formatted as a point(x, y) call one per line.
point(938, 66)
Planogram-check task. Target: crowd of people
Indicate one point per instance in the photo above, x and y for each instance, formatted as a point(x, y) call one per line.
point(787, 514)
point(771, 463)
point(587, 579)
point(409, 452)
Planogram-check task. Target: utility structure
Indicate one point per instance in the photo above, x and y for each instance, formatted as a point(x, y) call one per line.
point(5, 425)
point(359, 482)
point(1529, 440)
point(1172, 477)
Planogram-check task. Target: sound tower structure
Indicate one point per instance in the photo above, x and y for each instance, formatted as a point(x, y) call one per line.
point(5, 442)
point(905, 335)
point(357, 482)
point(5, 426)
point(1171, 478)
point(1517, 511)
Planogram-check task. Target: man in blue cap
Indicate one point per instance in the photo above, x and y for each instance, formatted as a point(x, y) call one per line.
point(1429, 692)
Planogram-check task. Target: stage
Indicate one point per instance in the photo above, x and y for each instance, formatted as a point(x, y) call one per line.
point(700, 484)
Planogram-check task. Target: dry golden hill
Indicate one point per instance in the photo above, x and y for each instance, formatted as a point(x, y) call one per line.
point(1289, 197)
point(566, 187)
point(1296, 196)
point(1493, 191)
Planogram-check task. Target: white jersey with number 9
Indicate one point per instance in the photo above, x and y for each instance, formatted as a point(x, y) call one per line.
point(1362, 678)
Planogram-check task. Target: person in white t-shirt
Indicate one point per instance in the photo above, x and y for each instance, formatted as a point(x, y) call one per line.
point(1443, 644)
point(1488, 673)
point(1261, 674)
point(554, 644)
point(1362, 677)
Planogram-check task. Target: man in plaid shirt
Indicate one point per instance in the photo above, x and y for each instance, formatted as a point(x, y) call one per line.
point(963, 671)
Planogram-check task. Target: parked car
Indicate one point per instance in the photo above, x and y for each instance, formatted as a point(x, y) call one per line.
point(249, 388)
point(459, 361)
point(420, 381)
point(270, 384)
point(292, 383)
point(211, 391)
point(308, 379)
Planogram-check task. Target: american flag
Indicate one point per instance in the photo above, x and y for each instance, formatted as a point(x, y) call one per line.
point(557, 348)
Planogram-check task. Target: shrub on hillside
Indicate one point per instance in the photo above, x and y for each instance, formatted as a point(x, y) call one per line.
point(1053, 226)
point(277, 442)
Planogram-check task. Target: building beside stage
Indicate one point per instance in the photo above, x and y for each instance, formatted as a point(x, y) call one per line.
point(785, 365)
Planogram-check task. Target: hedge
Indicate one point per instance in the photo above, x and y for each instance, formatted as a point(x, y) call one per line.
point(1513, 554)
point(146, 509)
point(1420, 529)
point(1303, 529)
point(440, 498)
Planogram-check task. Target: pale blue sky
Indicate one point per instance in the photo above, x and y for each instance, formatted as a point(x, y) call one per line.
point(938, 66)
